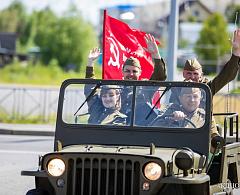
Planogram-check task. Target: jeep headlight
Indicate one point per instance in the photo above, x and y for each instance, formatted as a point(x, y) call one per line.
point(184, 160)
point(56, 167)
point(152, 171)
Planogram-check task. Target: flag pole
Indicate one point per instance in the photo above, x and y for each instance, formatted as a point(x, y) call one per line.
point(103, 41)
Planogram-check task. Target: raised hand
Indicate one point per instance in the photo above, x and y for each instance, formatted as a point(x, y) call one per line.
point(93, 55)
point(236, 43)
point(152, 46)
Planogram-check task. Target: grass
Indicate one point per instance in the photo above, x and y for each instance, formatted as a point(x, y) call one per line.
point(30, 120)
point(16, 118)
point(39, 74)
point(236, 91)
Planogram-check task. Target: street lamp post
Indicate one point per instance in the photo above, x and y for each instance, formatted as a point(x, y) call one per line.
point(173, 40)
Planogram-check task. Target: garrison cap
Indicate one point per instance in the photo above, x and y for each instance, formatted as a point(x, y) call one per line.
point(192, 65)
point(132, 62)
point(105, 88)
point(189, 90)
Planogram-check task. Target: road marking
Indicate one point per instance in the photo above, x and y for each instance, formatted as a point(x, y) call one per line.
point(22, 152)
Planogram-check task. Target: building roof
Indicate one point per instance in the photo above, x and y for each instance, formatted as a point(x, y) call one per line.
point(183, 6)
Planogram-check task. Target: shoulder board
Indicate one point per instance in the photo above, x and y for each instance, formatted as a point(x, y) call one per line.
point(201, 111)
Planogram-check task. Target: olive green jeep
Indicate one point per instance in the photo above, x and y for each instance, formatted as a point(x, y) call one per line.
point(150, 153)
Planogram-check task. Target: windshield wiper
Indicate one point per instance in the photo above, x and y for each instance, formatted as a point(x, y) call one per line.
point(88, 97)
point(150, 112)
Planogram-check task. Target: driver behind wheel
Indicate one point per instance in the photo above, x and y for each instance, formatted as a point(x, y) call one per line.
point(186, 114)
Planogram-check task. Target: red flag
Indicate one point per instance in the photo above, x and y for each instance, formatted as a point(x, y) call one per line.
point(155, 98)
point(119, 43)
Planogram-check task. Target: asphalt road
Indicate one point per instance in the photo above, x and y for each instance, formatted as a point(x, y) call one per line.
point(19, 153)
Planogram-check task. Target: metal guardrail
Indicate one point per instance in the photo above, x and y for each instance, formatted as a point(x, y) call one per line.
point(28, 102)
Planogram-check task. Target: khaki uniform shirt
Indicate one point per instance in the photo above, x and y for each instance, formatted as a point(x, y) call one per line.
point(112, 118)
point(197, 118)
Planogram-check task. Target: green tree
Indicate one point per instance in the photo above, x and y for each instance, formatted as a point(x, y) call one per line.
point(7, 15)
point(5, 25)
point(67, 39)
point(231, 11)
point(14, 19)
point(19, 11)
point(213, 41)
point(42, 30)
point(29, 33)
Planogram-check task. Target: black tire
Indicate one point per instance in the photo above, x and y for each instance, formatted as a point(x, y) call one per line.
point(37, 192)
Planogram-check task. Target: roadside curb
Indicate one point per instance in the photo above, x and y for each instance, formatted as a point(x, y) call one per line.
point(26, 129)
point(26, 132)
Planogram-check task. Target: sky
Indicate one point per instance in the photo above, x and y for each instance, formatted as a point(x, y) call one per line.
point(88, 8)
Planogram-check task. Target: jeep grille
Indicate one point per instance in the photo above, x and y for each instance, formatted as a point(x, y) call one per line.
point(111, 175)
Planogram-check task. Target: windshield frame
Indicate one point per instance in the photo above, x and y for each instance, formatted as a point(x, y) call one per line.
point(63, 129)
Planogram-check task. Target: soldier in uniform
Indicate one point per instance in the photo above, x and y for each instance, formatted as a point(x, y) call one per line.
point(186, 114)
point(143, 98)
point(131, 70)
point(104, 107)
point(193, 70)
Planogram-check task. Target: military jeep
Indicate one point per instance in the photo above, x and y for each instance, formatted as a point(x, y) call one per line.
point(135, 158)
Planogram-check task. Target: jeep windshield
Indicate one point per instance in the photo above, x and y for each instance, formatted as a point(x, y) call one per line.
point(135, 104)
point(134, 113)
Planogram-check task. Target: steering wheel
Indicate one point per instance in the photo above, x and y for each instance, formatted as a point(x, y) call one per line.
point(167, 116)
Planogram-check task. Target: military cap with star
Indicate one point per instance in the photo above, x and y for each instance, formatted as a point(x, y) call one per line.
point(132, 62)
point(192, 65)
